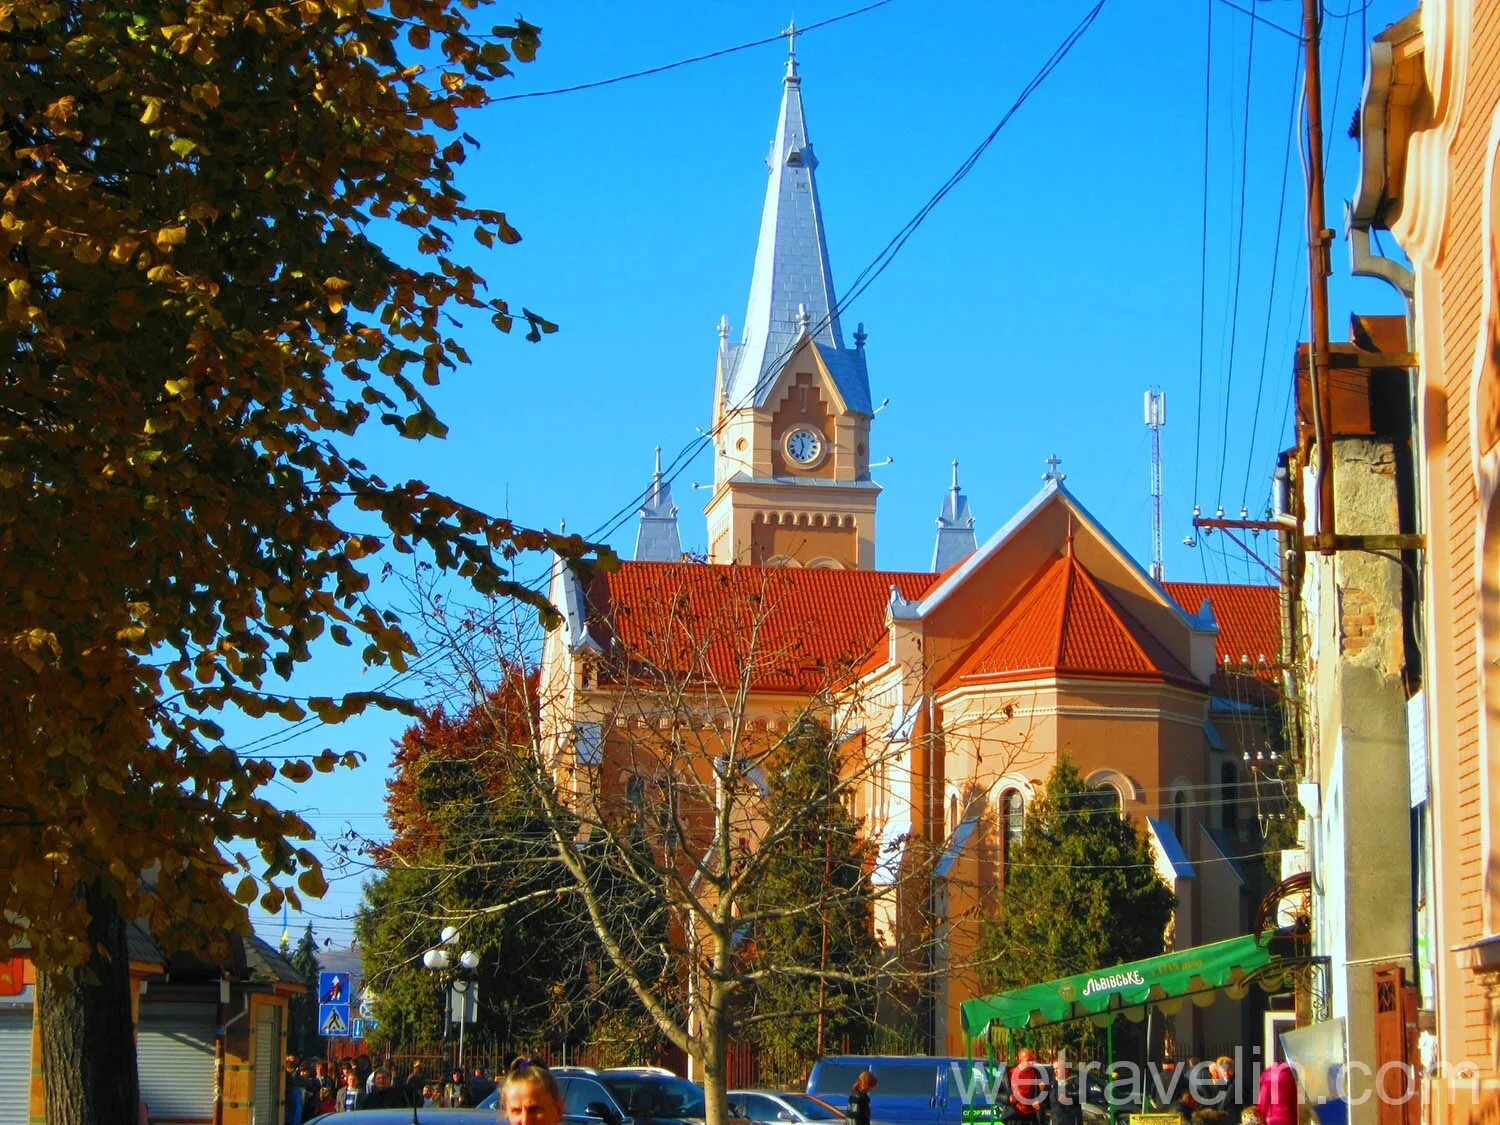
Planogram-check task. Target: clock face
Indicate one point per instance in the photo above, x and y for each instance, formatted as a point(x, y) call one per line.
point(804, 446)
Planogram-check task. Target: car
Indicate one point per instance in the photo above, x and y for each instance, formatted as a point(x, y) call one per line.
point(766, 1107)
point(492, 1099)
point(634, 1095)
point(405, 1115)
point(913, 1089)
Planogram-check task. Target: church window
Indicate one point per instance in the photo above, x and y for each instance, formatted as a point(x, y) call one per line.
point(1012, 827)
point(1179, 817)
point(1229, 797)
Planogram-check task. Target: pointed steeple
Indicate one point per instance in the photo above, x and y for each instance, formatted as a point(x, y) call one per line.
point(791, 272)
point(656, 540)
point(955, 537)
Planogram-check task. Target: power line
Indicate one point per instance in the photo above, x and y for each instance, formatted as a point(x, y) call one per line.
point(1208, 74)
point(1260, 385)
point(662, 69)
point(1239, 249)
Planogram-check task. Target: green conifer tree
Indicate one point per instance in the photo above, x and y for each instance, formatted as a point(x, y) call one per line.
point(302, 1015)
point(812, 945)
point(1081, 891)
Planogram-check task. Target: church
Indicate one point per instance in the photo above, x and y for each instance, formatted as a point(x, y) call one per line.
point(966, 682)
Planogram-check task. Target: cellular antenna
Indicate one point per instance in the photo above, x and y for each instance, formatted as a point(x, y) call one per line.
point(1156, 418)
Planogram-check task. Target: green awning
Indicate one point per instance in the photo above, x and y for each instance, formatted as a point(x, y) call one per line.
point(1199, 971)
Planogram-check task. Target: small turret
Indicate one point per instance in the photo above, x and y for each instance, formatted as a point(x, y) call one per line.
point(955, 537)
point(657, 540)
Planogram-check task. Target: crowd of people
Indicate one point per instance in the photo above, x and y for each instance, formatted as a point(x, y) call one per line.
point(316, 1086)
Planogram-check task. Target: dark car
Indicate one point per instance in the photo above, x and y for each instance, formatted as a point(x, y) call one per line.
point(623, 1095)
point(770, 1107)
point(424, 1115)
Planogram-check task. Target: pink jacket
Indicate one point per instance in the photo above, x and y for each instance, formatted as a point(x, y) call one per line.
point(1277, 1102)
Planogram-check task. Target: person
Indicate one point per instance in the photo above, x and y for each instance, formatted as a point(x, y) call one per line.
point(416, 1085)
point(292, 1092)
point(859, 1098)
point(349, 1095)
point(529, 1094)
point(456, 1093)
point(1277, 1100)
point(323, 1086)
point(1028, 1089)
point(383, 1095)
point(479, 1086)
point(1065, 1101)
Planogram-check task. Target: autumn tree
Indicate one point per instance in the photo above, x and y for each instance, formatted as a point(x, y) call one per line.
point(465, 837)
point(201, 308)
point(1081, 891)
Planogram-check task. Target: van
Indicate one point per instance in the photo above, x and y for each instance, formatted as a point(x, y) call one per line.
point(912, 1089)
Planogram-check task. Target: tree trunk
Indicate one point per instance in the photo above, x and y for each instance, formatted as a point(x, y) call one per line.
point(88, 1036)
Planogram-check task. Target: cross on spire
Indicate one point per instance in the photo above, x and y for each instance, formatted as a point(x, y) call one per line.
point(1054, 470)
point(790, 31)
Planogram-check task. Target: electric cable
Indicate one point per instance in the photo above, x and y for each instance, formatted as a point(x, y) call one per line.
point(1208, 72)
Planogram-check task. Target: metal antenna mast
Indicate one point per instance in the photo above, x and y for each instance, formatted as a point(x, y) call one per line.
point(1156, 418)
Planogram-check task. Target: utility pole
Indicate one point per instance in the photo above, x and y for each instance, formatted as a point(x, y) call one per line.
point(1318, 266)
point(1156, 418)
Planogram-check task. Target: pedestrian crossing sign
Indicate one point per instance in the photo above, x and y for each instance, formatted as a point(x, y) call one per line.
point(333, 1020)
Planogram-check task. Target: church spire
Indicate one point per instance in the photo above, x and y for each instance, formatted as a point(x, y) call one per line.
point(955, 537)
point(656, 540)
point(791, 271)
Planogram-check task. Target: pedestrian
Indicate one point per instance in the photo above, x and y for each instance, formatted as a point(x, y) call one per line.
point(1027, 1096)
point(416, 1083)
point(291, 1093)
point(383, 1095)
point(456, 1092)
point(350, 1093)
point(1065, 1102)
point(859, 1098)
point(530, 1095)
point(1277, 1100)
point(479, 1086)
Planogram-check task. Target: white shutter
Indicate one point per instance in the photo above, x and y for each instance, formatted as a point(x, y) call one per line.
point(175, 1061)
point(15, 1065)
point(266, 1109)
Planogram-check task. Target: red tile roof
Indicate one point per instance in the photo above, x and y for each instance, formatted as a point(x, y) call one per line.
point(1249, 617)
point(1065, 622)
point(798, 630)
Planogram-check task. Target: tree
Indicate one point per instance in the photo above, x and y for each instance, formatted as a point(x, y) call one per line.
point(302, 1034)
point(1081, 891)
point(197, 317)
point(464, 838)
point(822, 858)
point(659, 767)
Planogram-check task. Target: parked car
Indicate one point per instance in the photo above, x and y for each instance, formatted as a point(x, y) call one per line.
point(913, 1089)
point(768, 1107)
point(405, 1115)
point(624, 1095)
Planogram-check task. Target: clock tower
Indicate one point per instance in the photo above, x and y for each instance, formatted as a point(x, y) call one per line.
point(791, 403)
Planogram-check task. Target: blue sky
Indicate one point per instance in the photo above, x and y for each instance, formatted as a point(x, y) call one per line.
point(1025, 317)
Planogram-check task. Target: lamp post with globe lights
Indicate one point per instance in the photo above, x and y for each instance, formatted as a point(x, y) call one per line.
point(460, 990)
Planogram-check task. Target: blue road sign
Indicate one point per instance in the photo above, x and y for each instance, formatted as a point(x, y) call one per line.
point(333, 1020)
point(362, 1027)
point(333, 988)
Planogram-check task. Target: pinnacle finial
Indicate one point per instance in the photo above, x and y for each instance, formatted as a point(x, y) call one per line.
point(724, 330)
point(791, 49)
point(859, 336)
point(804, 318)
point(658, 462)
point(1054, 470)
point(955, 474)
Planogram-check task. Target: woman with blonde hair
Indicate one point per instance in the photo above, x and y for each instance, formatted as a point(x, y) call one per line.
point(530, 1094)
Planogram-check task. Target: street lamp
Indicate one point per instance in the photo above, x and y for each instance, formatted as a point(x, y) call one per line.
point(460, 991)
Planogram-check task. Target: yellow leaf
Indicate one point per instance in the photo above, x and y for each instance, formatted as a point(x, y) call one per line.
point(151, 112)
point(87, 252)
point(246, 891)
point(312, 883)
point(19, 288)
point(171, 236)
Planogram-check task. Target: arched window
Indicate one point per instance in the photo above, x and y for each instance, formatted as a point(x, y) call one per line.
point(1229, 797)
point(952, 813)
point(1012, 825)
point(1179, 817)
